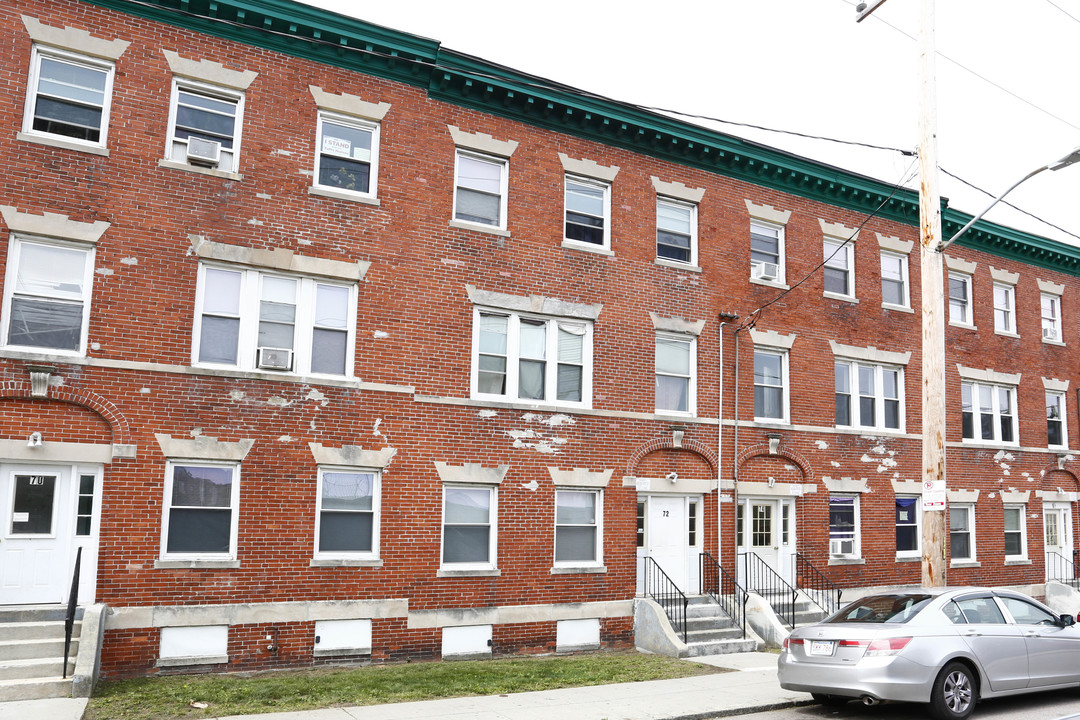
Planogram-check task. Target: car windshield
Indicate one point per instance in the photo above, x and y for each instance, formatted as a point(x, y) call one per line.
point(881, 609)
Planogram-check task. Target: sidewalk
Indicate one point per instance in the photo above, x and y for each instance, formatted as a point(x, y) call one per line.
point(751, 687)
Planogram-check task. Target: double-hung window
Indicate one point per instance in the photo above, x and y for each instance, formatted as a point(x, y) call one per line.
point(480, 189)
point(347, 516)
point(1015, 533)
point(588, 211)
point(844, 526)
point(70, 96)
point(1056, 435)
point(962, 532)
point(868, 396)
point(766, 252)
point(908, 531)
point(201, 509)
point(251, 319)
point(676, 362)
point(1051, 317)
point(770, 385)
point(47, 295)
point(894, 279)
point(988, 412)
point(578, 535)
point(839, 267)
point(534, 358)
point(469, 528)
point(347, 156)
point(1004, 308)
point(204, 129)
point(676, 230)
point(960, 299)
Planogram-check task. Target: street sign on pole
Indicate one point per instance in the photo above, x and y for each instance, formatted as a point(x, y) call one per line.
point(934, 495)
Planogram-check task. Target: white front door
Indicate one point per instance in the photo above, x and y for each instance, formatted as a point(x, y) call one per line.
point(35, 535)
point(766, 528)
point(1057, 524)
point(667, 536)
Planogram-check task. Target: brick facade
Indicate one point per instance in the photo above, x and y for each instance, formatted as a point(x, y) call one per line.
point(112, 411)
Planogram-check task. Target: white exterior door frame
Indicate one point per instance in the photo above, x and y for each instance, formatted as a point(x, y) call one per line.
point(674, 531)
point(1058, 537)
point(767, 529)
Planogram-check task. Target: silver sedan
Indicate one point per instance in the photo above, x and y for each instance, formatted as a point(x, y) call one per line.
point(948, 647)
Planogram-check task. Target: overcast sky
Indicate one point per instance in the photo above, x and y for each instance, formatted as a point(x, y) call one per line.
point(1006, 74)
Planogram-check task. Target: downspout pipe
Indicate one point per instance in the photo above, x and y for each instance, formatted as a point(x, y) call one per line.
point(725, 318)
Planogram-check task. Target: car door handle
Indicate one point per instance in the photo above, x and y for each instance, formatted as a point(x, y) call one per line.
point(972, 634)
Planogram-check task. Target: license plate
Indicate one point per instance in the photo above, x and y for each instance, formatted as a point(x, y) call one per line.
point(822, 647)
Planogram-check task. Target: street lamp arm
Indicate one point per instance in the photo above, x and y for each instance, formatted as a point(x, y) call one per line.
point(1066, 161)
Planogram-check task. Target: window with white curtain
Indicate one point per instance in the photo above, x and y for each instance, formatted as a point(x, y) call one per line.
point(578, 539)
point(532, 358)
point(469, 529)
point(675, 374)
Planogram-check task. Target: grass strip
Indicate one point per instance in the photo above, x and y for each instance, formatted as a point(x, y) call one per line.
point(169, 698)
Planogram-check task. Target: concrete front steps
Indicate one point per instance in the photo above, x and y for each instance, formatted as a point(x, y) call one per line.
point(32, 653)
point(709, 631)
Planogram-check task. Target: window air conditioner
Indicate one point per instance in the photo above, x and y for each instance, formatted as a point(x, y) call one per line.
point(766, 271)
point(839, 546)
point(203, 152)
point(271, 358)
point(1049, 333)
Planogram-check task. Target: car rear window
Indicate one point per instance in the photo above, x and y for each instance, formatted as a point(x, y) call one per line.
point(881, 609)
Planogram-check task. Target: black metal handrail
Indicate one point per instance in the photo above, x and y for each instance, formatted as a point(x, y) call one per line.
point(763, 580)
point(1061, 569)
point(69, 620)
point(658, 586)
point(724, 589)
point(821, 591)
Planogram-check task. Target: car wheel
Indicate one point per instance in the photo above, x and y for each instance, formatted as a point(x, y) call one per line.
point(953, 696)
point(830, 700)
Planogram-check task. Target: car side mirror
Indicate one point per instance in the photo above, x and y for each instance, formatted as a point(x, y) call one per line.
point(1066, 620)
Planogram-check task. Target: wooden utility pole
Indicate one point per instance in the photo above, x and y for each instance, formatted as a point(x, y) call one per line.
point(931, 276)
point(933, 310)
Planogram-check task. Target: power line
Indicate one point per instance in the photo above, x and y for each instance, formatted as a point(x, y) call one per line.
point(1064, 11)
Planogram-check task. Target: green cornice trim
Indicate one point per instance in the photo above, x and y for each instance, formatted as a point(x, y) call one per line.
point(297, 30)
point(329, 38)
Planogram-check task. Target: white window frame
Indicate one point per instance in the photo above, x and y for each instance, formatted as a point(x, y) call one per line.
point(504, 172)
point(230, 157)
point(975, 388)
point(551, 358)
point(73, 58)
point(969, 510)
point(1050, 307)
point(605, 216)
point(167, 508)
point(690, 378)
point(917, 524)
point(682, 205)
point(492, 524)
point(785, 384)
point(1004, 309)
point(369, 126)
point(903, 280)
point(304, 323)
point(956, 306)
point(856, 393)
point(856, 533)
point(761, 227)
point(597, 525)
point(1059, 401)
point(376, 506)
point(1021, 511)
point(16, 243)
point(832, 249)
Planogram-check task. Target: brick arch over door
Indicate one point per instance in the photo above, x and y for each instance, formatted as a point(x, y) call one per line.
point(645, 449)
point(119, 426)
point(748, 455)
point(1054, 477)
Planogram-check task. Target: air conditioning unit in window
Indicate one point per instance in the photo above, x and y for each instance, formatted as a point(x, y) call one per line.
point(1049, 334)
point(766, 271)
point(271, 358)
point(839, 546)
point(203, 152)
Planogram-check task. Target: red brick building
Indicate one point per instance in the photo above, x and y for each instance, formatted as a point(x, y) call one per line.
point(321, 340)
